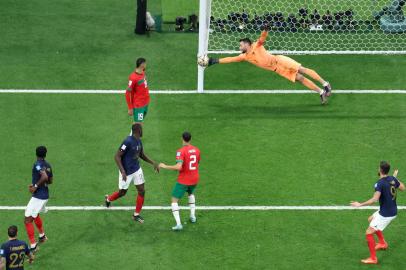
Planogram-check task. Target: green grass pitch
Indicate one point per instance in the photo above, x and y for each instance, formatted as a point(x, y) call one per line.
point(256, 149)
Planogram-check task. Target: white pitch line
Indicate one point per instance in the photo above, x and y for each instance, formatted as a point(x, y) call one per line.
point(183, 92)
point(230, 207)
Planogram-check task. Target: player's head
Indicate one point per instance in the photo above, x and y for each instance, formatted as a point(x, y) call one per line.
point(41, 151)
point(12, 231)
point(245, 44)
point(141, 63)
point(186, 137)
point(137, 130)
point(384, 168)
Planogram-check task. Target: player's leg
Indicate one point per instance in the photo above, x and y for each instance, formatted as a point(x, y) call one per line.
point(379, 224)
point(192, 203)
point(376, 222)
point(372, 259)
point(39, 224)
point(312, 86)
point(122, 189)
point(31, 212)
point(315, 76)
point(139, 184)
point(177, 193)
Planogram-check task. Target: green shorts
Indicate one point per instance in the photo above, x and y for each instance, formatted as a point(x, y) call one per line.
point(140, 113)
point(180, 189)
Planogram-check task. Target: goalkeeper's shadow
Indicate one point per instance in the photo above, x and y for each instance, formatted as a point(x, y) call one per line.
point(295, 111)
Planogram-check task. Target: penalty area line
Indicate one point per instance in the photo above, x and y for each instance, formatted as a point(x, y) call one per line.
point(230, 207)
point(189, 92)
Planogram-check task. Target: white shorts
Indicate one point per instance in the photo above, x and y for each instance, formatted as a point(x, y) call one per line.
point(35, 206)
point(379, 222)
point(137, 178)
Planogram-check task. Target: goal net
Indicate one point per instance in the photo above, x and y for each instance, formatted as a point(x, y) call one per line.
point(305, 27)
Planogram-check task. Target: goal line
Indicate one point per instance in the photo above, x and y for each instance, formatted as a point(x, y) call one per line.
point(229, 207)
point(189, 92)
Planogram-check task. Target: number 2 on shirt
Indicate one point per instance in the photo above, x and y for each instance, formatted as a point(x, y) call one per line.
point(192, 163)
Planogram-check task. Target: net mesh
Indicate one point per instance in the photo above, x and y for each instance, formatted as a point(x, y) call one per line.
point(313, 26)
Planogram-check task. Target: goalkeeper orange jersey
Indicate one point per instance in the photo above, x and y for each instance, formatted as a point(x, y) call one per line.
point(258, 56)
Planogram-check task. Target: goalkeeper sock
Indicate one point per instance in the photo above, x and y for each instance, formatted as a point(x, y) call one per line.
point(192, 204)
point(175, 212)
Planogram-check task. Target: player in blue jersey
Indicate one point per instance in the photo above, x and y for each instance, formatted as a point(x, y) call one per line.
point(42, 176)
point(127, 159)
point(13, 252)
point(385, 193)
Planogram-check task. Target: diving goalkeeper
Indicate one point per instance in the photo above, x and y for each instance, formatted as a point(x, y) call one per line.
point(256, 54)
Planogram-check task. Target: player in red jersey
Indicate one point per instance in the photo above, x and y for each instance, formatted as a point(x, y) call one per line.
point(137, 94)
point(187, 163)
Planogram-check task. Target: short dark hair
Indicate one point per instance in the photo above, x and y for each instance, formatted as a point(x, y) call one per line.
point(137, 129)
point(385, 167)
point(41, 151)
point(186, 136)
point(246, 40)
point(12, 231)
point(140, 61)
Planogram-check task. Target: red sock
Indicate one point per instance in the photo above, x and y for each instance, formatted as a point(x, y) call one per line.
point(371, 245)
point(140, 203)
point(38, 223)
point(380, 237)
point(30, 232)
point(113, 196)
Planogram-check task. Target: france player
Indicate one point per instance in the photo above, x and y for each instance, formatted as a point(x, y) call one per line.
point(127, 159)
point(42, 176)
point(13, 252)
point(385, 192)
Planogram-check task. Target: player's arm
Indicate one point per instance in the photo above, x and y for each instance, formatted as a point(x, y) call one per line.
point(176, 167)
point(44, 179)
point(128, 97)
point(117, 158)
point(373, 200)
point(2, 263)
point(262, 38)
point(145, 158)
point(401, 186)
point(226, 60)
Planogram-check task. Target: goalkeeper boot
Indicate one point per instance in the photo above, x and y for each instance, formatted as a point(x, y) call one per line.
point(327, 88)
point(323, 98)
point(177, 227)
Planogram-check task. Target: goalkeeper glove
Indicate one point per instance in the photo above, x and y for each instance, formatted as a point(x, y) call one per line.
point(213, 61)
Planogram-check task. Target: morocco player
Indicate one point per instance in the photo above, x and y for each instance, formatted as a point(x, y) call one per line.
point(256, 54)
point(385, 192)
point(42, 176)
point(137, 93)
point(127, 159)
point(187, 163)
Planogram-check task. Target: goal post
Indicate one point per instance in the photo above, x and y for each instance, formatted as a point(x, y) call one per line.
point(303, 27)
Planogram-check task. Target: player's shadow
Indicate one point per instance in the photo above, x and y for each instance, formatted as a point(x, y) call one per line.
point(296, 111)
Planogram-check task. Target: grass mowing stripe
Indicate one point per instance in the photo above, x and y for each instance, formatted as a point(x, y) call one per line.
point(180, 92)
point(229, 207)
